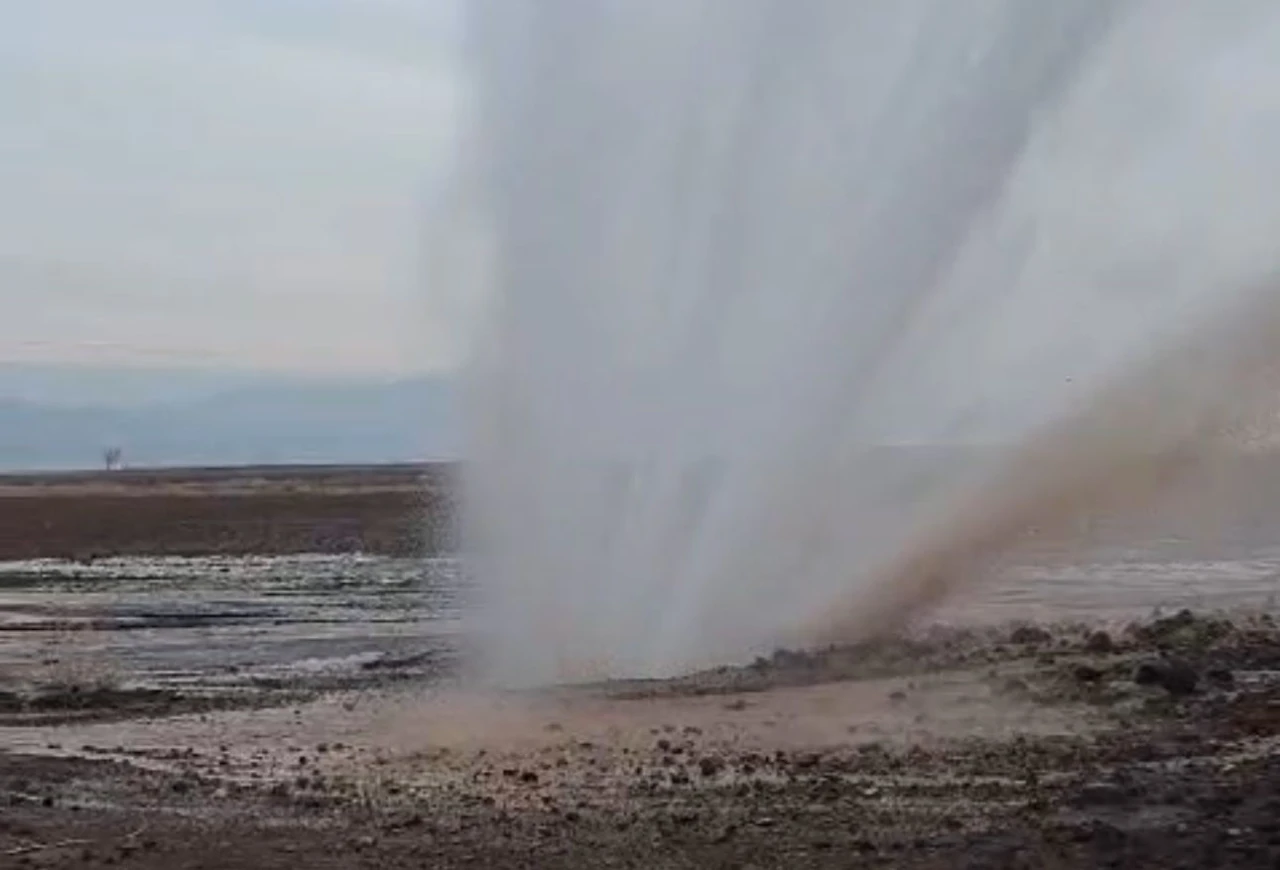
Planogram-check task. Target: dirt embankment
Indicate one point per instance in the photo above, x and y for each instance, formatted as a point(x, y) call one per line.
point(392, 510)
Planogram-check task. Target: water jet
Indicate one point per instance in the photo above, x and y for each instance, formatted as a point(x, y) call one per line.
point(800, 310)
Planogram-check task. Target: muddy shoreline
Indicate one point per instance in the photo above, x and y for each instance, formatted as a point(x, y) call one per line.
point(1029, 746)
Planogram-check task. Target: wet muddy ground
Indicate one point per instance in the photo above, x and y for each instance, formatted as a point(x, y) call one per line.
point(279, 709)
point(1149, 746)
point(156, 636)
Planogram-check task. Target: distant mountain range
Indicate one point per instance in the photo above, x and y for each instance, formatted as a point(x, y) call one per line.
point(65, 417)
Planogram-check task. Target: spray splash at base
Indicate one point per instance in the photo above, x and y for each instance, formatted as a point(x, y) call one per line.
point(801, 310)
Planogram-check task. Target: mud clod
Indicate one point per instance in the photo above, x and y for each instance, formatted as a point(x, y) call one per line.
point(1030, 635)
point(710, 765)
point(1087, 674)
point(1174, 676)
point(1100, 643)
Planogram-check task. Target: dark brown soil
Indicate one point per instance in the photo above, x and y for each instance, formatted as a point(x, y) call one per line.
point(1176, 776)
point(1132, 818)
point(387, 510)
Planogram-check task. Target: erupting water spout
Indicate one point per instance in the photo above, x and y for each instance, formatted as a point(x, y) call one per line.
point(800, 308)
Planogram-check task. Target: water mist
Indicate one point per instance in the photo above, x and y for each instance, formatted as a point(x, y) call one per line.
point(800, 310)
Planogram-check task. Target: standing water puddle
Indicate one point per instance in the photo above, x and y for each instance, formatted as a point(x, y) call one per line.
point(227, 621)
point(166, 621)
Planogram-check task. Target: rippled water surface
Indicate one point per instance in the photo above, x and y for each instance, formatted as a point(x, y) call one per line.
point(174, 619)
point(236, 620)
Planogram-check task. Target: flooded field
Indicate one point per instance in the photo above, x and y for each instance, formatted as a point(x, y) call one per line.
point(225, 623)
point(229, 623)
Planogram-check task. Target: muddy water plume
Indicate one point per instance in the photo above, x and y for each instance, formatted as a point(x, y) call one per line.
point(1132, 444)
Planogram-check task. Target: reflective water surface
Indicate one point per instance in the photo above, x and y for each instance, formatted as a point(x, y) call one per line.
point(255, 620)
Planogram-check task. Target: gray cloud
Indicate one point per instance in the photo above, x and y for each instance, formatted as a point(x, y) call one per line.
point(235, 182)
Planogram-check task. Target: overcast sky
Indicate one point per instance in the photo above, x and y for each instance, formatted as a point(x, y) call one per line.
point(224, 182)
